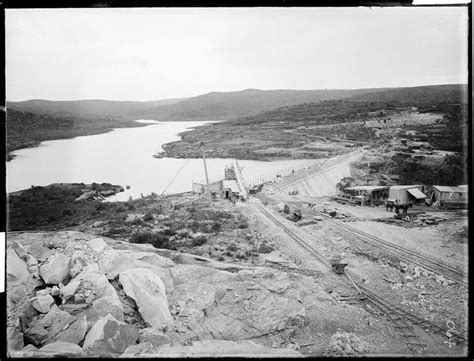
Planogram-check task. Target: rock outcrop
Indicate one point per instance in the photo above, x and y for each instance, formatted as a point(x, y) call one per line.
point(135, 299)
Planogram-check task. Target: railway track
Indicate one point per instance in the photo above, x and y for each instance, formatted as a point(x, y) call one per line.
point(436, 266)
point(401, 319)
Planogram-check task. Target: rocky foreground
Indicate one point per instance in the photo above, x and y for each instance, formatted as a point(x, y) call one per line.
point(73, 294)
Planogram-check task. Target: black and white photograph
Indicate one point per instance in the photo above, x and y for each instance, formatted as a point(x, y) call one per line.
point(237, 181)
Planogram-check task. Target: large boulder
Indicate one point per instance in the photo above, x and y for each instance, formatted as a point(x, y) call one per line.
point(64, 327)
point(98, 296)
point(109, 336)
point(148, 292)
point(55, 269)
point(17, 269)
point(117, 261)
point(39, 252)
point(154, 336)
point(43, 303)
point(59, 349)
point(57, 325)
point(14, 338)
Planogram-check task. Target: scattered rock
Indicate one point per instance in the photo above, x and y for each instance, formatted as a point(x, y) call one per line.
point(141, 348)
point(43, 303)
point(70, 289)
point(62, 326)
point(155, 337)
point(39, 252)
point(56, 269)
point(14, 338)
point(347, 344)
point(61, 349)
point(55, 291)
point(109, 336)
point(148, 291)
point(17, 269)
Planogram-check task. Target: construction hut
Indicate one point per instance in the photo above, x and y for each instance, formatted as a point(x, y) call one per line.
point(229, 188)
point(450, 197)
point(369, 195)
point(215, 186)
point(406, 195)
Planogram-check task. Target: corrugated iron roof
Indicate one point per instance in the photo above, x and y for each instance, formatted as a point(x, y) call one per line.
point(447, 189)
point(367, 188)
point(406, 187)
point(211, 180)
point(415, 192)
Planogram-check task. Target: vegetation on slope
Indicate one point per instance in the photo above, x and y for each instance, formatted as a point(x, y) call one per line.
point(25, 129)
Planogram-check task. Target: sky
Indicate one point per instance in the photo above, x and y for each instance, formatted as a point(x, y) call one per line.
point(162, 53)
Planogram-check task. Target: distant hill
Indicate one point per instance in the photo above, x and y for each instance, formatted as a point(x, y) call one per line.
point(227, 105)
point(87, 108)
point(417, 96)
point(288, 127)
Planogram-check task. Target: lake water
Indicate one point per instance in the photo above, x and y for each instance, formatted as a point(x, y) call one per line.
point(125, 156)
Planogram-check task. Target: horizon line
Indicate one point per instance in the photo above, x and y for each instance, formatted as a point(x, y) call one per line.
point(229, 91)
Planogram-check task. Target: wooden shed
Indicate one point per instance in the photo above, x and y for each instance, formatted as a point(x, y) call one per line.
point(409, 194)
point(450, 197)
point(369, 194)
point(215, 186)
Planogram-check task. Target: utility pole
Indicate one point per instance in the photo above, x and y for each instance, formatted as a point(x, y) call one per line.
point(208, 191)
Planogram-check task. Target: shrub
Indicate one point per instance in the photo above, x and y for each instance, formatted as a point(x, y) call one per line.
point(130, 207)
point(216, 227)
point(243, 225)
point(232, 247)
point(265, 248)
point(191, 209)
point(137, 222)
point(67, 212)
point(198, 241)
point(194, 226)
point(220, 258)
point(168, 232)
point(94, 213)
point(158, 240)
point(120, 209)
point(228, 253)
point(148, 217)
point(51, 219)
point(101, 206)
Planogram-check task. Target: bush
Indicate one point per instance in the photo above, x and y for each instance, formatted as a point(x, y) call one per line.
point(168, 232)
point(216, 227)
point(232, 247)
point(157, 240)
point(198, 241)
point(265, 248)
point(120, 209)
point(51, 219)
point(191, 209)
point(220, 258)
point(67, 212)
point(243, 225)
point(148, 217)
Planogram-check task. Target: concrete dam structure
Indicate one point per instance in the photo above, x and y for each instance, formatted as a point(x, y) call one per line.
point(321, 182)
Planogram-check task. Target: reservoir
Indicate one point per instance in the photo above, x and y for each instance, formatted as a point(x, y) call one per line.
point(125, 157)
